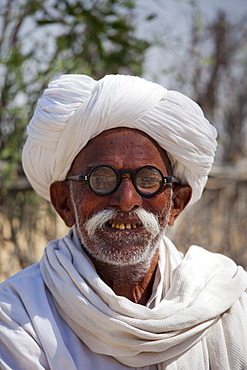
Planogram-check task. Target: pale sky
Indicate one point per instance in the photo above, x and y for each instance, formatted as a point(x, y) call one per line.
point(172, 25)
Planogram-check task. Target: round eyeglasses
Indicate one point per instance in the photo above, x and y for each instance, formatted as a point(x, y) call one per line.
point(104, 180)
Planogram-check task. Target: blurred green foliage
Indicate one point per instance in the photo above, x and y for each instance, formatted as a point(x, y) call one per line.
point(45, 38)
point(40, 40)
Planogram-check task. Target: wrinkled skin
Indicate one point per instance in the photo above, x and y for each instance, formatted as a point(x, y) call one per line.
point(125, 259)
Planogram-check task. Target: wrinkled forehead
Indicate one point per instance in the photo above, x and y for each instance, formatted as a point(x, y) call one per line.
point(121, 145)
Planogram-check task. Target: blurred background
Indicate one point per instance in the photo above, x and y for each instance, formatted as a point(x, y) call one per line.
point(197, 47)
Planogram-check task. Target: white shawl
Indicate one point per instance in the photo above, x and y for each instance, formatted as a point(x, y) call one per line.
point(199, 324)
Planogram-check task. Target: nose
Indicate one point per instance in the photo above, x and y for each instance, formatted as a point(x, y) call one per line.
point(126, 196)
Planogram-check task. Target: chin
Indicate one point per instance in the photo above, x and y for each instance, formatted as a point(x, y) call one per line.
point(120, 249)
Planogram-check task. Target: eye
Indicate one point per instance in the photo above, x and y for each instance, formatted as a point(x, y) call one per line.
point(148, 179)
point(98, 182)
point(103, 179)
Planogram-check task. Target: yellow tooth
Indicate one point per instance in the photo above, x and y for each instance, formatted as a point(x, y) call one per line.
point(122, 226)
point(134, 226)
point(113, 225)
point(128, 225)
point(117, 225)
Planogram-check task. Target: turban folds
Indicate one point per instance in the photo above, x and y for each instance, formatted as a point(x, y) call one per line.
point(76, 108)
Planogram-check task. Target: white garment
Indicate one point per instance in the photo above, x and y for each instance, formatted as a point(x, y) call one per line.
point(76, 108)
point(187, 329)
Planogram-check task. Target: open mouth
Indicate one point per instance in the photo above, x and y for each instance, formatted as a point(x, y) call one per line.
point(124, 225)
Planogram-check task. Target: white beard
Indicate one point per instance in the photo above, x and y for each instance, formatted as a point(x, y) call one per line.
point(121, 248)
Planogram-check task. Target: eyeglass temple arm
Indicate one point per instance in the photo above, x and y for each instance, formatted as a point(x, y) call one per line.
point(81, 178)
point(169, 179)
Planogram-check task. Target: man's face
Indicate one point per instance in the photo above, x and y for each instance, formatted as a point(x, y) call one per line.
point(126, 235)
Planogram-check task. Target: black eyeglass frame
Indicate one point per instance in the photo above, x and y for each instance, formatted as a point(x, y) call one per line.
point(86, 178)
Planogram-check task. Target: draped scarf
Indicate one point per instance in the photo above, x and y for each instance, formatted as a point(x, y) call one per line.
point(197, 322)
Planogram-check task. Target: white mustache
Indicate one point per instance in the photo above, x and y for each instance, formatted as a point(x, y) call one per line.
point(98, 221)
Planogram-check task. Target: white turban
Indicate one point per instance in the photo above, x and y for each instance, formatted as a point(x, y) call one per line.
point(76, 108)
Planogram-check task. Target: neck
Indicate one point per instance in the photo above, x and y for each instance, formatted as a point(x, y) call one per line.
point(134, 282)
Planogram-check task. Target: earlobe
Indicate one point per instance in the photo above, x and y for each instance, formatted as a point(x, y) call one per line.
point(61, 201)
point(180, 198)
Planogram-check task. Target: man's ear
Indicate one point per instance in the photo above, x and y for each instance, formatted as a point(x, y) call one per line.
point(180, 198)
point(61, 201)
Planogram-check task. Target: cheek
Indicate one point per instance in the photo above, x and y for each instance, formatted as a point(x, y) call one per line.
point(159, 204)
point(86, 203)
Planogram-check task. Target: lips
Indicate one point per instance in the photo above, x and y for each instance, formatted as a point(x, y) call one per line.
point(124, 225)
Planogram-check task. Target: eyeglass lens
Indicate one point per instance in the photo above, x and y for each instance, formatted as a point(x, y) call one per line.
point(104, 180)
point(148, 180)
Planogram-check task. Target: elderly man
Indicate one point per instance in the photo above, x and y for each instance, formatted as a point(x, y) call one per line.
point(120, 159)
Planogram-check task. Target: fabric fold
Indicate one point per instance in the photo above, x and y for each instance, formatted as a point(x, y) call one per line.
point(194, 305)
point(75, 108)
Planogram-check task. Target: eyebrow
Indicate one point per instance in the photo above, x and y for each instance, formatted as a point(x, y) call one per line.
point(90, 167)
